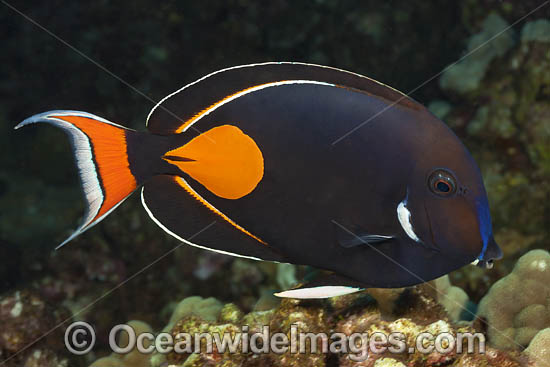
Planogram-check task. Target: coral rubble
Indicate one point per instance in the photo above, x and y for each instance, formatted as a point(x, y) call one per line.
point(355, 313)
point(31, 332)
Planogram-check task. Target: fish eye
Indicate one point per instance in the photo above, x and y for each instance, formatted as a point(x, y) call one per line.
point(442, 183)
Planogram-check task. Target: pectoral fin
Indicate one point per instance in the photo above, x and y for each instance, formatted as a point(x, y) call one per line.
point(347, 237)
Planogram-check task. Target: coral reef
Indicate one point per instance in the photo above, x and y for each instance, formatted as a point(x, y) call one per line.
point(207, 309)
point(132, 359)
point(538, 350)
point(355, 313)
point(370, 321)
point(538, 31)
point(465, 76)
point(386, 298)
point(517, 306)
point(286, 276)
point(496, 99)
point(31, 332)
point(510, 126)
point(245, 280)
point(503, 120)
point(388, 362)
point(474, 12)
point(453, 299)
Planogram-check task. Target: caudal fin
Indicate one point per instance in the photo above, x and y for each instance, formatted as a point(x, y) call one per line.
point(100, 150)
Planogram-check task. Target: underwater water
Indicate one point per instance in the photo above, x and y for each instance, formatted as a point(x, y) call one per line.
point(483, 67)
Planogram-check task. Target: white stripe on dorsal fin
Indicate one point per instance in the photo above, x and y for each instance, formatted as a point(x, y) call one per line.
point(241, 93)
point(182, 108)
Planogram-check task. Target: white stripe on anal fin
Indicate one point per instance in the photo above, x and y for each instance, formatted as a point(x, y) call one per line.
point(185, 185)
point(163, 227)
point(318, 292)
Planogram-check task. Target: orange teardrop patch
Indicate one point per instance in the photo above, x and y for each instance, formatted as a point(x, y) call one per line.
point(223, 159)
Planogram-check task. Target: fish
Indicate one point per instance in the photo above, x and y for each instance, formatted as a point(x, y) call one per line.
point(295, 163)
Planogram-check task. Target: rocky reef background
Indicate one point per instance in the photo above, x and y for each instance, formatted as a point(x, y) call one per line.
point(497, 99)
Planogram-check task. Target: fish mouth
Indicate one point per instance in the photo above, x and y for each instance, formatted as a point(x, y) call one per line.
point(487, 257)
point(487, 264)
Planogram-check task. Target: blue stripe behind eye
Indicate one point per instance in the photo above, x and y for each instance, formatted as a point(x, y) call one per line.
point(485, 226)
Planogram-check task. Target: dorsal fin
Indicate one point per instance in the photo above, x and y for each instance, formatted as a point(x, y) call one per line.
point(179, 109)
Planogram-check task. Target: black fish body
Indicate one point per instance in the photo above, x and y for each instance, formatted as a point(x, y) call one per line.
point(302, 164)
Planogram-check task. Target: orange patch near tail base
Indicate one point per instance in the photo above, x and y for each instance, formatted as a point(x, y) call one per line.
point(223, 159)
point(109, 151)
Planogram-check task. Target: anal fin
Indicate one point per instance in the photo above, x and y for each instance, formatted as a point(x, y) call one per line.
point(184, 214)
